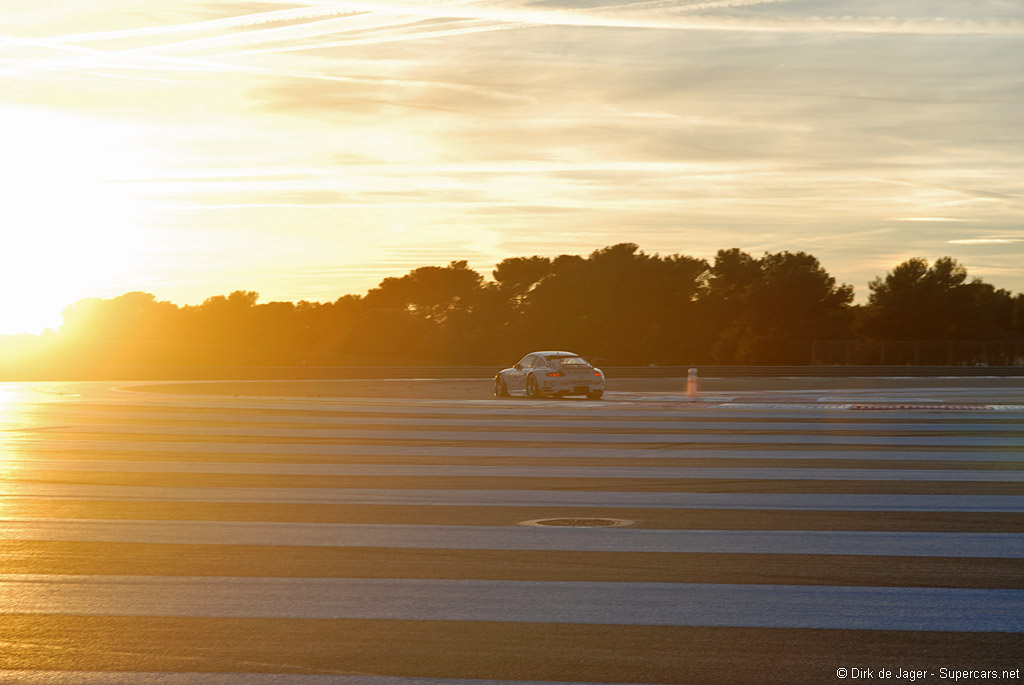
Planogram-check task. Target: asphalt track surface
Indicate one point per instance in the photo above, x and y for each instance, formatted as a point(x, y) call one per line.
point(385, 533)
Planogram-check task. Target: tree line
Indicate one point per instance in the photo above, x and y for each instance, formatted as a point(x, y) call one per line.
point(618, 305)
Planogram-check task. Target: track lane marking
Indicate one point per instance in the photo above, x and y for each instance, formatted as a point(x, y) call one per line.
point(859, 543)
point(560, 498)
point(651, 604)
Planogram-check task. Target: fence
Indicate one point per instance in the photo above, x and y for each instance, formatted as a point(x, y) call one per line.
point(311, 373)
point(918, 353)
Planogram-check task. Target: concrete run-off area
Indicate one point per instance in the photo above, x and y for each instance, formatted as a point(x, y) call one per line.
point(378, 532)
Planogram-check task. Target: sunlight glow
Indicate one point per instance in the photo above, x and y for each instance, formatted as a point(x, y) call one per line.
point(310, 149)
point(70, 221)
point(12, 399)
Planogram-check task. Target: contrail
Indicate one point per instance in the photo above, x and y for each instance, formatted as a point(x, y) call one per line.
point(345, 24)
point(446, 85)
point(563, 17)
point(311, 11)
point(407, 32)
point(326, 22)
point(394, 16)
point(154, 57)
point(276, 16)
point(686, 7)
point(598, 17)
point(129, 57)
point(348, 23)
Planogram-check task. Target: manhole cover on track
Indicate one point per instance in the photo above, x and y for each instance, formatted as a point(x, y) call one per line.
point(579, 523)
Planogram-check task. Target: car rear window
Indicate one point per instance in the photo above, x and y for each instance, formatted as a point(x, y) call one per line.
point(569, 361)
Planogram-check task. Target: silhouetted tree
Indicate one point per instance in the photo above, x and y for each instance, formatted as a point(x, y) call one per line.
point(918, 302)
point(443, 298)
point(726, 302)
point(379, 335)
point(224, 328)
point(432, 292)
point(129, 329)
point(515, 276)
point(774, 308)
point(681, 334)
point(1017, 317)
point(618, 304)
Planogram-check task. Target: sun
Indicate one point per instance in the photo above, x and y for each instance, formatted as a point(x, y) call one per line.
point(70, 218)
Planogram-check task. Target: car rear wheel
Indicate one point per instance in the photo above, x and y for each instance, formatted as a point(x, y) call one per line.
point(500, 388)
point(532, 389)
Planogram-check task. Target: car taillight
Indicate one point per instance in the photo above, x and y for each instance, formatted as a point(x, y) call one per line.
point(556, 373)
point(597, 373)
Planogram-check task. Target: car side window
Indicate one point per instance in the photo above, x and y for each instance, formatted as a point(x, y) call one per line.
point(530, 362)
point(525, 362)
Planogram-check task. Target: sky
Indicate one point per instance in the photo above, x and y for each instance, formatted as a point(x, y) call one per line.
point(307, 150)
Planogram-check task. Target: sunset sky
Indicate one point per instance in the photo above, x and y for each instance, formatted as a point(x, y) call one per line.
point(307, 150)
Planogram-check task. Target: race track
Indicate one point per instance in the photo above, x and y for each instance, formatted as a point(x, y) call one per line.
point(160, 535)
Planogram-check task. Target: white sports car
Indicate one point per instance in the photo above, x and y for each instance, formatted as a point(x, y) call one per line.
point(541, 374)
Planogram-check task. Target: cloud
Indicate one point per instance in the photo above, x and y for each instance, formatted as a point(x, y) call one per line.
point(931, 219)
point(685, 125)
point(661, 20)
point(208, 25)
point(984, 241)
point(220, 45)
point(325, 18)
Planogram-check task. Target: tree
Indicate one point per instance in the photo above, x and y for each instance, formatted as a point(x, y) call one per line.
point(222, 329)
point(771, 310)
point(619, 304)
point(916, 301)
point(725, 302)
point(381, 335)
point(515, 276)
point(132, 328)
point(432, 292)
point(1017, 317)
point(794, 303)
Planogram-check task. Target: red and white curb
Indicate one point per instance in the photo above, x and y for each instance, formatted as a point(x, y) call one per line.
point(862, 406)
